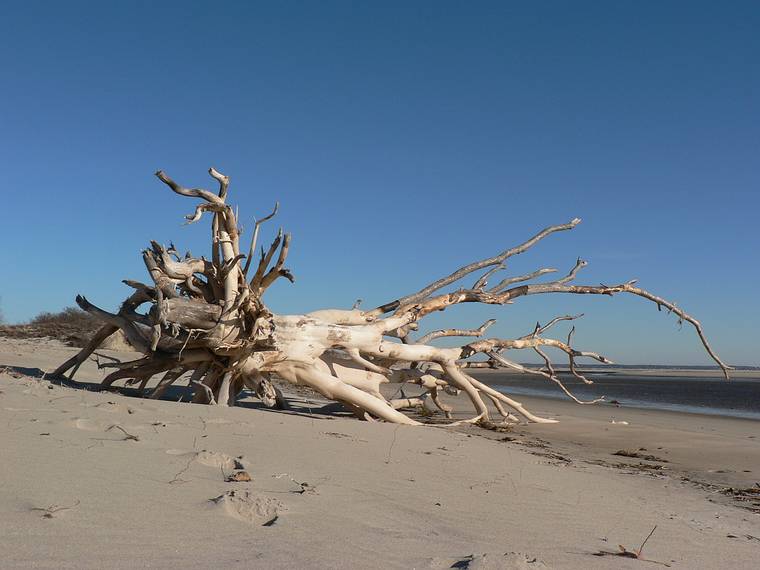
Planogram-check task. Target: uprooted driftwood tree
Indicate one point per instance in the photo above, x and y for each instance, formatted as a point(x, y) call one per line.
point(208, 319)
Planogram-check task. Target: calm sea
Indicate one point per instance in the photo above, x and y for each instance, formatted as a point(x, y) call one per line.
point(738, 397)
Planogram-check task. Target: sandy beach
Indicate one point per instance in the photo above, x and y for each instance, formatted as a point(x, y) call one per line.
point(94, 479)
point(380, 286)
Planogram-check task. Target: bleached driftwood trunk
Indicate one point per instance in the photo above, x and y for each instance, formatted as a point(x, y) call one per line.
point(207, 318)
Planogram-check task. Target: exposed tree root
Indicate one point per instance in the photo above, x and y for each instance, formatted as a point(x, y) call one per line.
point(207, 319)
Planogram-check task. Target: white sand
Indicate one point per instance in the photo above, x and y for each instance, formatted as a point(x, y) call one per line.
point(378, 496)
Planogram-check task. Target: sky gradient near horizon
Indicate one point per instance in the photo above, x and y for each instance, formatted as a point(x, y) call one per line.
point(403, 139)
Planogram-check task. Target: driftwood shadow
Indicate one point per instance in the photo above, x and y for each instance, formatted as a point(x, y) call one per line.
point(297, 405)
point(18, 371)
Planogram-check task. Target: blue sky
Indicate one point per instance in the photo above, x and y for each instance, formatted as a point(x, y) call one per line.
point(402, 140)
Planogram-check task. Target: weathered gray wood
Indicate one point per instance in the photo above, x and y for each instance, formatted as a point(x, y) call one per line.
point(189, 313)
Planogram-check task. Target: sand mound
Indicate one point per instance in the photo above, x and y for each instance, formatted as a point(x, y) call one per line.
point(249, 507)
point(218, 460)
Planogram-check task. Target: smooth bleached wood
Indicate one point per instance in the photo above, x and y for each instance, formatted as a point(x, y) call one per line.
point(208, 320)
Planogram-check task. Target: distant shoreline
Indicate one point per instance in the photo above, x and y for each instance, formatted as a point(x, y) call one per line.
point(703, 392)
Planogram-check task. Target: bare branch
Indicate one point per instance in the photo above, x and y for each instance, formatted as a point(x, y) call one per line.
point(224, 181)
point(483, 281)
point(497, 260)
point(579, 264)
point(511, 280)
point(515, 366)
point(190, 192)
point(571, 357)
point(255, 237)
point(266, 258)
point(199, 209)
point(547, 361)
point(76, 361)
point(278, 270)
point(541, 329)
point(455, 332)
point(541, 288)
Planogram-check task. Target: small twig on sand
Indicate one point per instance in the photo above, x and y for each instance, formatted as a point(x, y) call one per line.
point(176, 478)
point(641, 548)
point(390, 448)
point(49, 512)
point(635, 554)
point(304, 487)
point(127, 436)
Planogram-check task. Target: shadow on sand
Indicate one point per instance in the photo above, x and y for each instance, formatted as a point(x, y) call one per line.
point(297, 405)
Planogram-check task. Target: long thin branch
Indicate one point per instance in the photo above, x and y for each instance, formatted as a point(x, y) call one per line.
point(475, 266)
point(255, 237)
point(541, 288)
point(547, 361)
point(455, 332)
point(521, 278)
point(543, 328)
point(571, 357)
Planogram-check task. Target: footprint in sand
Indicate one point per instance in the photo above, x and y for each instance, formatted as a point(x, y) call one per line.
point(86, 424)
point(219, 460)
point(248, 507)
point(89, 425)
point(212, 459)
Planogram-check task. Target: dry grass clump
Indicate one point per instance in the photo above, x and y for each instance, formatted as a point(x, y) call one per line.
point(71, 326)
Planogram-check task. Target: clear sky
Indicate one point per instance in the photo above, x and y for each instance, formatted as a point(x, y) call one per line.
point(402, 140)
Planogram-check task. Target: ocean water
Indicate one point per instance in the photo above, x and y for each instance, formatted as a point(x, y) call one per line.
point(738, 397)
